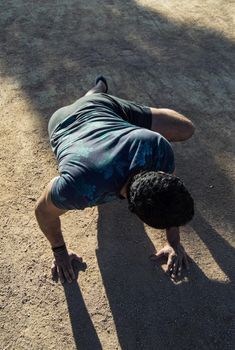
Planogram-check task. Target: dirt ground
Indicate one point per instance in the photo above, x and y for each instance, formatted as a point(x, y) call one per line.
point(177, 54)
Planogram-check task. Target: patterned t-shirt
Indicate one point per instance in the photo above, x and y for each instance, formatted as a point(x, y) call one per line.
point(97, 151)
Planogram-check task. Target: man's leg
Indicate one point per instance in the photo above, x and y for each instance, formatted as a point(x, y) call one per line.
point(62, 113)
point(171, 124)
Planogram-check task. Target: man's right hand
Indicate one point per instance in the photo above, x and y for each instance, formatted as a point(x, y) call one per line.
point(62, 265)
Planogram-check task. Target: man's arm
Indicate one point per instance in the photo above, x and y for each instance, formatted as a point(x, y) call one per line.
point(47, 215)
point(176, 256)
point(48, 218)
point(173, 236)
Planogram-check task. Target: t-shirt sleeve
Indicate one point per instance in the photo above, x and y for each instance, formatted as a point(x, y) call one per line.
point(166, 157)
point(134, 113)
point(62, 194)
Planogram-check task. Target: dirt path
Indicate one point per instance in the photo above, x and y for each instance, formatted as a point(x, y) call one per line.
point(175, 54)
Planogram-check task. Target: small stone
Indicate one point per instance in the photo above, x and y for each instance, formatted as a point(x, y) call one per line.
point(33, 199)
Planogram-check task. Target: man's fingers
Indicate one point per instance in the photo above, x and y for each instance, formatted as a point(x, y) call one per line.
point(170, 262)
point(175, 266)
point(67, 276)
point(78, 258)
point(176, 260)
point(54, 272)
point(64, 274)
point(186, 263)
point(61, 275)
point(75, 257)
point(71, 272)
point(158, 255)
point(179, 270)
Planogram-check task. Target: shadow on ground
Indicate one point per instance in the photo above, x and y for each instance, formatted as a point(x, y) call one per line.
point(149, 309)
point(54, 52)
point(84, 333)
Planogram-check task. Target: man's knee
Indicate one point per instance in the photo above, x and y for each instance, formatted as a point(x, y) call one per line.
point(171, 124)
point(188, 129)
point(184, 126)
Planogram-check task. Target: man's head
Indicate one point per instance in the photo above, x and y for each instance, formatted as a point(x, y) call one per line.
point(159, 199)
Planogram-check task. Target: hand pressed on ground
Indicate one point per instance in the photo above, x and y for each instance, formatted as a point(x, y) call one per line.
point(62, 267)
point(176, 259)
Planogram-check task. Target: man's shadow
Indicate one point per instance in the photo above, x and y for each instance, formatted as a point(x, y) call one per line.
point(85, 336)
point(149, 310)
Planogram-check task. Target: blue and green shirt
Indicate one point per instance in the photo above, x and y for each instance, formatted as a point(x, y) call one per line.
point(98, 149)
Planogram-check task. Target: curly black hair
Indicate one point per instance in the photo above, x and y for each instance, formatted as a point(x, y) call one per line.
point(159, 199)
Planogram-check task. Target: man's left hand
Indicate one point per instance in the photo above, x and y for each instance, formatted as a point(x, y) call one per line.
point(176, 258)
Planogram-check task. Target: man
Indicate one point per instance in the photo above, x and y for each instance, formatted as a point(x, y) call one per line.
point(109, 148)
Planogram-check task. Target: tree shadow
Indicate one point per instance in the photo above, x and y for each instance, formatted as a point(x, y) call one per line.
point(149, 310)
point(55, 50)
point(84, 333)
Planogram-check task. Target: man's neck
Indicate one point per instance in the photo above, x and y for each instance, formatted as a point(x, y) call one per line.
point(123, 191)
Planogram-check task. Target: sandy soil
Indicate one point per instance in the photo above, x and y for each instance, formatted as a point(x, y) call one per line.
point(177, 54)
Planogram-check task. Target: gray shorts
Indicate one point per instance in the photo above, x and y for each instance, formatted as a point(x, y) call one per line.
point(130, 111)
